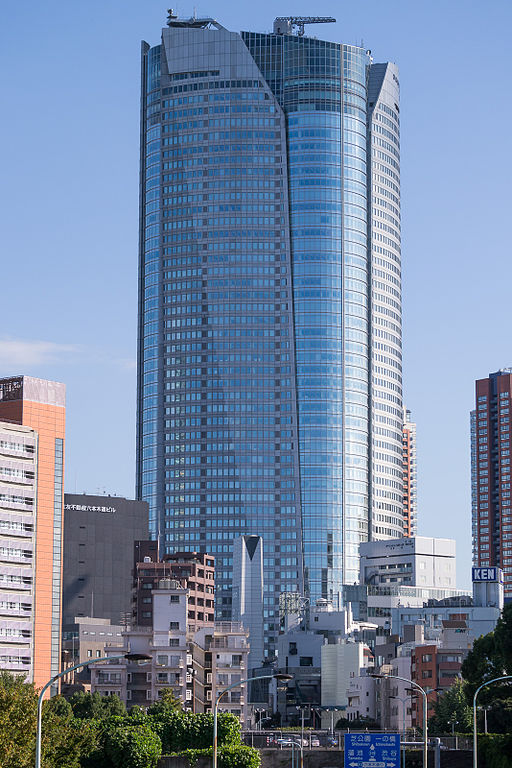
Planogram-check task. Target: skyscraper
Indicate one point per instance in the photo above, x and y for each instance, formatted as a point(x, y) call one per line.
point(409, 475)
point(490, 474)
point(40, 405)
point(270, 313)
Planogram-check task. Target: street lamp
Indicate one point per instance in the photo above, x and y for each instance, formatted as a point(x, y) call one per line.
point(425, 705)
point(129, 656)
point(475, 735)
point(277, 676)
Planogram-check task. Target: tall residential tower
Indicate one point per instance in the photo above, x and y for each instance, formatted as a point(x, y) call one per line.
point(490, 474)
point(269, 398)
point(31, 508)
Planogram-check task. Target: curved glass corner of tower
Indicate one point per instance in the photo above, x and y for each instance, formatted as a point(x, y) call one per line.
point(150, 332)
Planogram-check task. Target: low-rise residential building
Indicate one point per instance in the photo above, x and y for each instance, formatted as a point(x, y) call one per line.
point(196, 664)
point(436, 667)
point(361, 698)
point(195, 569)
point(85, 640)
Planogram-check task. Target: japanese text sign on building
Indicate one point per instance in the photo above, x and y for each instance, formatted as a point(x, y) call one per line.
point(372, 750)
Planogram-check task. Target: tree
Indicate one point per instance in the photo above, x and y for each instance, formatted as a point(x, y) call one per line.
point(490, 657)
point(451, 710)
point(18, 714)
point(166, 703)
point(362, 722)
point(60, 707)
point(135, 746)
point(88, 706)
point(64, 740)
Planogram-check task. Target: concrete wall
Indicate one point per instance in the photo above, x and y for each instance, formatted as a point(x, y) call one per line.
point(328, 758)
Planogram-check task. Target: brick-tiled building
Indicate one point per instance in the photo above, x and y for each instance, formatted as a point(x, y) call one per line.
point(196, 570)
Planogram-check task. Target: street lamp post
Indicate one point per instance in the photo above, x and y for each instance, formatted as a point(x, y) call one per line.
point(475, 735)
point(221, 694)
point(425, 705)
point(129, 656)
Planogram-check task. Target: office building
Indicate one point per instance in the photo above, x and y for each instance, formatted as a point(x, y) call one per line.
point(410, 476)
point(40, 406)
point(490, 475)
point(99, 535)
point(420, 561)
point(269, 358)
point(248, 592)
point(403, 573)
point(18, 480)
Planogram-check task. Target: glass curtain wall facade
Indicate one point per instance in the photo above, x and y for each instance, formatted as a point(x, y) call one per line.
point(322, 88)
point(255, 317)
point(386, 501)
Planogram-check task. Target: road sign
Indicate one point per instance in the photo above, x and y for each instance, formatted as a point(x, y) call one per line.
point(372, 750)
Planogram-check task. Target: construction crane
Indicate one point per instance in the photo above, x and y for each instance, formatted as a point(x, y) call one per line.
point(284, 25)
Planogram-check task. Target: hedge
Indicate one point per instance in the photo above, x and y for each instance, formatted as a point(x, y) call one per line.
point(495, 750)
point(227, 756)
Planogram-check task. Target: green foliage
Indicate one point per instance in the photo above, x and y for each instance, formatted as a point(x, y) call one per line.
point(239, 757)
point(360, 724)
point(135, 746)
point(452, 708)
point(166, 703)
point(64, 740)
point(18, 708)
point(184, 730)
point(228, 756)
point(88, 706)
point(490, 657)
point(61, 707)
point(495, 751)
point(137, 715)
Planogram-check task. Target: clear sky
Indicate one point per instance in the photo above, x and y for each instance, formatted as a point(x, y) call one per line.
point(69, 194)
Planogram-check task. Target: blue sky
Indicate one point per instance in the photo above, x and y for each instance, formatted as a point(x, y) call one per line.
point(69, 196)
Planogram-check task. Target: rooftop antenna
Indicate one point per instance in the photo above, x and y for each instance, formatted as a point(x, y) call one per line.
point(171, 15)
point(284, 25)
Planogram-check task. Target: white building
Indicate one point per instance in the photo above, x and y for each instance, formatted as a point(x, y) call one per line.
point(341, 663)
point(418, 561)
point(247, 597)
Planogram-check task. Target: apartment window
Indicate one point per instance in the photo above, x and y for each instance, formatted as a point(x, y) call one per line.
point(175, 599)
point(174, 625)
point(174, 642)
point(426, 657)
